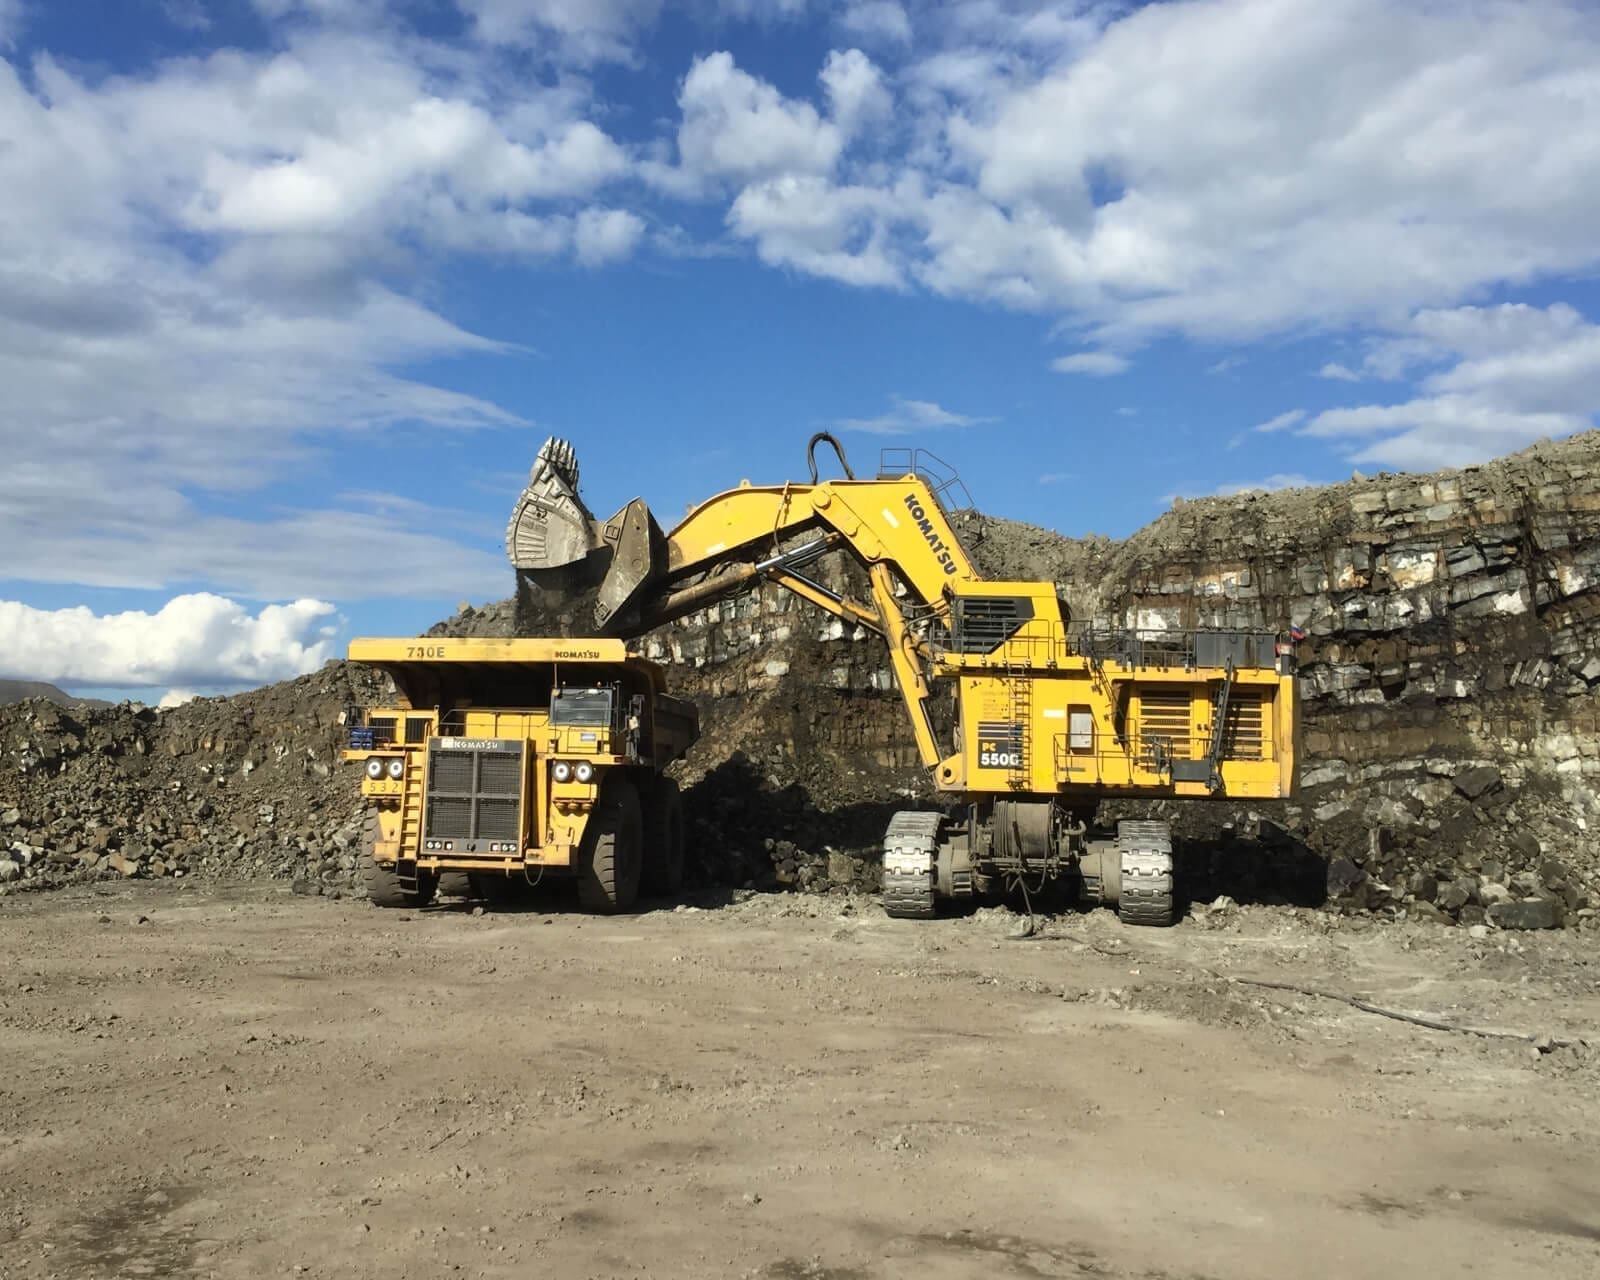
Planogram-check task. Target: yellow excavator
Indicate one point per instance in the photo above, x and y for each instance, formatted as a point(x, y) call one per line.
point(1051, 717)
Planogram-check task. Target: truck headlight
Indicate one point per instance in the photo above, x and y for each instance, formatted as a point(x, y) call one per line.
point(397, 768)
point(562, 771)
point(374, 768)
point(584, 771)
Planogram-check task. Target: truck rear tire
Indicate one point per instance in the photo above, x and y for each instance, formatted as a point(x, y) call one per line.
point(385, 888)
point(663, 840)
point(610, 858)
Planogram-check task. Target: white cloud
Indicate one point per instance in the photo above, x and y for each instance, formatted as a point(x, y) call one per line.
point(1338, 373)
point(1167, 179)
point(737, 126)
point(808, 223)
point(908, 416)
point(1281, 480)
point(1055, 477)
point(11, 15)
point(193, 639)
point(193, 297)
point(855, 89)
point(762, 10)
point(606, 235)
point(1281, 422)
point(400, 159)
point(176, 698)
point(335, 138)
point(1097, 364)
point(1505, 376)
point(1151, 170)
point(884, 20)
point(582, 30)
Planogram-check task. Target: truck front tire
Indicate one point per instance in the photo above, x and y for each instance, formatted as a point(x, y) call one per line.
point(610, 858)
point(384, 887)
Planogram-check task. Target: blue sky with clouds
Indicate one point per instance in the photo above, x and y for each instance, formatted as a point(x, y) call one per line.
point(292, 290)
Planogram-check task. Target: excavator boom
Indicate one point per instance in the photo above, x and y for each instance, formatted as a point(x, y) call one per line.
point(745, 533)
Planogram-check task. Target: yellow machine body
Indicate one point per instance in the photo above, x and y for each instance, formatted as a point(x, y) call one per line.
point(1150, 708)
point(493, 775)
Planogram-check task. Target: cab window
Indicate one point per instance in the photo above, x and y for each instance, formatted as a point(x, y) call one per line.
point(590, 708)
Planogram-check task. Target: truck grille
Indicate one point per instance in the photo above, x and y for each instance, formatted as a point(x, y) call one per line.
point(474, 791)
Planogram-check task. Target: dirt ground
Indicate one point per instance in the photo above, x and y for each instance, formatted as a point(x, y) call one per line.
point(239, 1083)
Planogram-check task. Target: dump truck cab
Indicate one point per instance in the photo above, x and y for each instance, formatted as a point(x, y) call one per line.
point(517, 760)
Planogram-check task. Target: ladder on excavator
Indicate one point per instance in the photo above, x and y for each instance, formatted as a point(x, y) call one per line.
point(1219, 727)
point(1019, 689)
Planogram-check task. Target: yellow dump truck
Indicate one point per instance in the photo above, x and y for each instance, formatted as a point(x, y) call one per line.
point(518, 761)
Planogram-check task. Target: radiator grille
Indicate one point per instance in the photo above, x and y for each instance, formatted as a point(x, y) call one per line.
point(497, 819)
point(983, 623)
point(474, 791)
point(451, 772)
point(1244, 735)
point(449, 816)
point(500, 775)
point(1164, 722)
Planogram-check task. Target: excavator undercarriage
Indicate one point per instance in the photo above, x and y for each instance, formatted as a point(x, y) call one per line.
point(1051, 717)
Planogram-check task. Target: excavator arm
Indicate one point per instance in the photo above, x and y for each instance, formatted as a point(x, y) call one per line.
point(894, 526)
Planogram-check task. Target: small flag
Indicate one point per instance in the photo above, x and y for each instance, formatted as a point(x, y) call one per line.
point(1297, 633)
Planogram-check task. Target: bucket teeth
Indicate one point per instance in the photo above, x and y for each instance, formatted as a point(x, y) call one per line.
point(550, 525)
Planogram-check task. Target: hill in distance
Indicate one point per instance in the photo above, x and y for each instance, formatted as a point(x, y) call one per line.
point(17, 690)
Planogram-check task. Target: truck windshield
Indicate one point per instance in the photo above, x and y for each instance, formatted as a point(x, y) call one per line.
point(590, 707)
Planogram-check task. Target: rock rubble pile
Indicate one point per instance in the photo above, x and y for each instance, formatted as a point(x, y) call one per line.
point(246, 786)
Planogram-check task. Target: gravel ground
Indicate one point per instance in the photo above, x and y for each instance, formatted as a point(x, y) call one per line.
point(235, 1082)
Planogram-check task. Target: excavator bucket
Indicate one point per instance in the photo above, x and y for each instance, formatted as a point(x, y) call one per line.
point(638, 555)
point(550, 527)
point(553, 538)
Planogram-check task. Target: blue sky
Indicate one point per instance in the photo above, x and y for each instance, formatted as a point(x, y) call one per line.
point(292, 290)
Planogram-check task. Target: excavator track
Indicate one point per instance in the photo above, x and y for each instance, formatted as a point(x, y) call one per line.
point(911, 864)
point(1148, 880)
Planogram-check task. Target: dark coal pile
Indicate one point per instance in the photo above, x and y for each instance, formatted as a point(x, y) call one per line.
point(746, 830)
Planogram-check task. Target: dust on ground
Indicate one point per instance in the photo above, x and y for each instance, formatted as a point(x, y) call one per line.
point(234, 1082)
